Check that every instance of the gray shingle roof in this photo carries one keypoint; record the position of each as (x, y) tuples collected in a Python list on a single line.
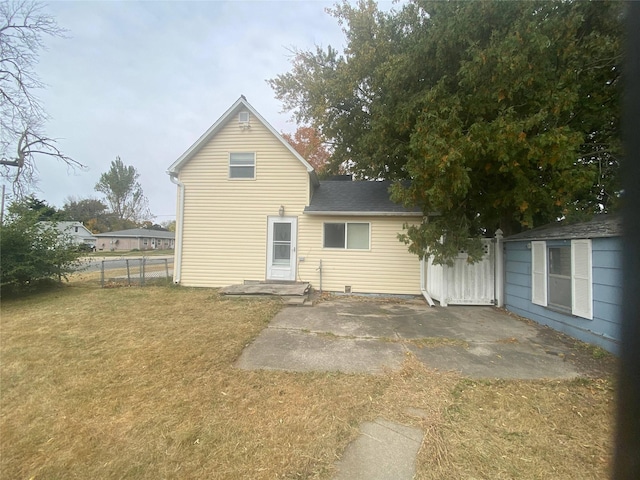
[(355, 198), (138, 232), (600, 226)]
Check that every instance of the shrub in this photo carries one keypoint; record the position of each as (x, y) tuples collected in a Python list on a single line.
[(32, 251)]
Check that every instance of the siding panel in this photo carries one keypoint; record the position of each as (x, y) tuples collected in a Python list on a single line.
[(386, 268), (225, 223), (225, 220), (604, 328)]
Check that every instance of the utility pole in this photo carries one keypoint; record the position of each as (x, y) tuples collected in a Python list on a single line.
[(2, 206)]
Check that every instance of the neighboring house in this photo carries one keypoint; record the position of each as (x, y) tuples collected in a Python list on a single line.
[(250, 208), (135, 239), (569, 277), (76, 232)]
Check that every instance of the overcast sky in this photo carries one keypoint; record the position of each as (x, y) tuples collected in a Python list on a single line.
[(143, 81)]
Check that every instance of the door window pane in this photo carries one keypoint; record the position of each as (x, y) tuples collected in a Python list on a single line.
[(281, 243), (281, 253), (282, 232)]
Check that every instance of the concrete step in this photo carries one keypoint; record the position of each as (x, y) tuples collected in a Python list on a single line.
[(297, 300)]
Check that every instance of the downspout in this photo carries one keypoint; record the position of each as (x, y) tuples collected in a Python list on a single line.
[(177, 262)]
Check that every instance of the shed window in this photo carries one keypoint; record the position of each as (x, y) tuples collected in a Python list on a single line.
[(242, 165), (559, 284), (347, 235), (561, 277)]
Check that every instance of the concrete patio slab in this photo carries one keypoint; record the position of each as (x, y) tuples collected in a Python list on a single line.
[(355, 335), (282, 349)]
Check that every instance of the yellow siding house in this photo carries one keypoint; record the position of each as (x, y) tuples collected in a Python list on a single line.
[(251, 208)]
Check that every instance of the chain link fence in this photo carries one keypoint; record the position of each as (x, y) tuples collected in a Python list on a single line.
[(135, 271)]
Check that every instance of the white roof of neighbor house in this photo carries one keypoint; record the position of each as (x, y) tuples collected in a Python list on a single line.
[(240, 104), (65, 227), (138, 232)]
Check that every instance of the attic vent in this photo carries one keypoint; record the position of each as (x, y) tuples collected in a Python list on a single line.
[(243, 119)]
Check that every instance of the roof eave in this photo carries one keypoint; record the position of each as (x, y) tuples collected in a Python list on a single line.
[(561, 237), (326, 213)]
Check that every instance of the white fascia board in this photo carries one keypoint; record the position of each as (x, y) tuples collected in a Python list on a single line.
[(364, 214)]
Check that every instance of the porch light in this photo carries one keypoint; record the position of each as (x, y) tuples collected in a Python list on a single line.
[(281, 211)]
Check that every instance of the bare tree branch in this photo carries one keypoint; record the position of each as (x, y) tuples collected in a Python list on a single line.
[(23, 26)]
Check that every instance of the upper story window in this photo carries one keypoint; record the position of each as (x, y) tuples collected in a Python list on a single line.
[(242, 165)]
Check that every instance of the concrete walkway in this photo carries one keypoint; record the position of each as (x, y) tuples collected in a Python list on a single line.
[(383, 451), (356, 335)]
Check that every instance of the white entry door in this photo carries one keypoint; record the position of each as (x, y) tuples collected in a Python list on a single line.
[(281, 248)]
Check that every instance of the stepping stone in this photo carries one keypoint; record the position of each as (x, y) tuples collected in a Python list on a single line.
[(384, 451)]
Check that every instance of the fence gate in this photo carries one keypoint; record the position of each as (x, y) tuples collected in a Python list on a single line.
[(463, 283)]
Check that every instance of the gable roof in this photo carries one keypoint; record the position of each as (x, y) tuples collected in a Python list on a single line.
[(239, 105), (363, 198), (138, 232), (65, 226), (601, 226)]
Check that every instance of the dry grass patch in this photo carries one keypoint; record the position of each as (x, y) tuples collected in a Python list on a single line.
[(437, 342), (526, 429), (140, 383)]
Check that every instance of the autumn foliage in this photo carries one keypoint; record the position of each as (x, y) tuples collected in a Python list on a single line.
[(310, 146)]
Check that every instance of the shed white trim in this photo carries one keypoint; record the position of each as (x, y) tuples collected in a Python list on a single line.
[(539, 273), (581, 285)]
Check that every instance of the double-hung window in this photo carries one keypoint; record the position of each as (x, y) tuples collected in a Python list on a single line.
[(242, 165), (561, 276), (347, 235)]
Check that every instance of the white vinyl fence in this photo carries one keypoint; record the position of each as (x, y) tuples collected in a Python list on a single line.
[(464, 283)]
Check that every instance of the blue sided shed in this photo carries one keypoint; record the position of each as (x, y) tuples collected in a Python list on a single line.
[(569, 277)]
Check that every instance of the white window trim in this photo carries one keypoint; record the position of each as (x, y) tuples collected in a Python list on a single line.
[(346, 234), (581, 278), (242, 178)]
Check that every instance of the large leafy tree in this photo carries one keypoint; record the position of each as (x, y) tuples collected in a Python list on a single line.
[(123, 192), (502, 114)]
